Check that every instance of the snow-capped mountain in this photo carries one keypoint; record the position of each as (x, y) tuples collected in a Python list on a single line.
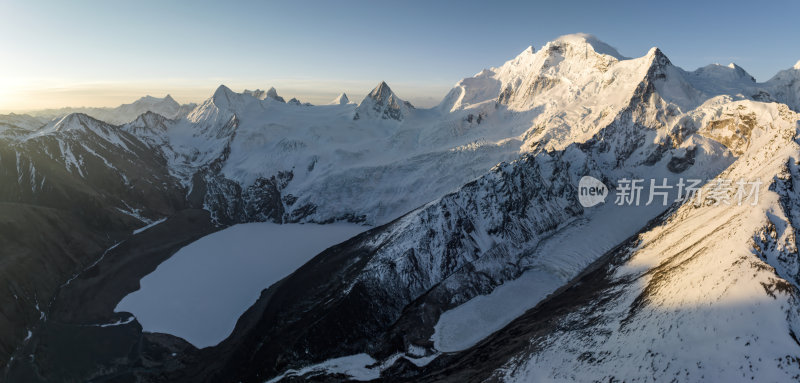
[(310, 154), (482, 265), (704, 292), (382, 103), (785, 86), (271, 93), (340, 100)]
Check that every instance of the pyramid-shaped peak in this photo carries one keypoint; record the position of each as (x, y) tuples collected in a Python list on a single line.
[(383, 103), (658, 57), (381, 91), (73, 121), (342, 99)]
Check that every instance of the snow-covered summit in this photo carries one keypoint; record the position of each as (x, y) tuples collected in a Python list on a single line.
[(340, 100), (261, 94), (384, 104), (785, 86), (730, 72), (273, 94), (585, 39)]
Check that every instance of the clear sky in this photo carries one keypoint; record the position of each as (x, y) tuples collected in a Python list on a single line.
[(104, 53)]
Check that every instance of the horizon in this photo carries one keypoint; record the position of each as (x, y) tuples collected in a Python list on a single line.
[(425, 56)]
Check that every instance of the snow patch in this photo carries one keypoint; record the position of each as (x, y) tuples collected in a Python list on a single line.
[(137, 231)]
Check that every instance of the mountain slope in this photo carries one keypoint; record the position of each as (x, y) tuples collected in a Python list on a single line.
[(472, 199), (706, 292), (69, 191)]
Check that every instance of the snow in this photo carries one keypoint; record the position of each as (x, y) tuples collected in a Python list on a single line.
[(359, 367), (379, 168), (395, 158), (693, 301), (466, 325), (119, 322), (597, 45), (555, 261), (353, 366), (140, 230), (199, 293), (340, 100)]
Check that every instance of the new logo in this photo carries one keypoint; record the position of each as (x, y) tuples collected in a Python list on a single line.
[(591, 191)]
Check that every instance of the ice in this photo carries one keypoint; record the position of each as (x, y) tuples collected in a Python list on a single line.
[(199, 293)]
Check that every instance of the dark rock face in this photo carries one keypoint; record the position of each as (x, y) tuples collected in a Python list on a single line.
[(65, 197), (76, 342), (680, 164)]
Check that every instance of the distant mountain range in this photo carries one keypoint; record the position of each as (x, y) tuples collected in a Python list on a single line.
[(166, 106), (480, 265)]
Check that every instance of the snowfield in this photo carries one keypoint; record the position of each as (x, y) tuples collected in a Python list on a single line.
[(199, 293), (487, 268)]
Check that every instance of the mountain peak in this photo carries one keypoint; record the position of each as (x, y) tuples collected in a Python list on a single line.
[(658, 57), (384, 103), (225, 98), (73, 121), (381, 90), (587, 39), (273, 94), (258, 93), (223, 91), (797, 65), (724, 73), (341, 100)]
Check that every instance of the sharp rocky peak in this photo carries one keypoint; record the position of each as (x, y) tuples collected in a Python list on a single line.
[(383, 103), (658, 57), (341, 100), (382, 91), (273, 94)]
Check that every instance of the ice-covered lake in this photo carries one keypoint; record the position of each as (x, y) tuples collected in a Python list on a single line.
[(199, 293)]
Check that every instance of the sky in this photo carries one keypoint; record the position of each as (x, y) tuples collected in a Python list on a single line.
[(104, 53)]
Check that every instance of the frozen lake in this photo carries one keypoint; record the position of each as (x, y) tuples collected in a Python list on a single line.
[(199, 293)]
